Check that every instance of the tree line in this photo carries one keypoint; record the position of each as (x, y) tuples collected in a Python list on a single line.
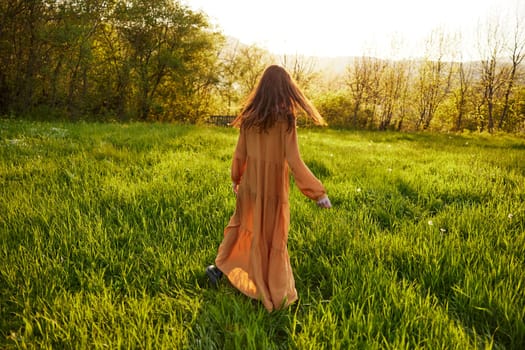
[(158, 60), (440, 90), (133, 59)]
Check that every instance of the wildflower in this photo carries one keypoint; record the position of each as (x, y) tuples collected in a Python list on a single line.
[(358, 189), (430, 222), (442, 230), (389, 170), (510, 216)]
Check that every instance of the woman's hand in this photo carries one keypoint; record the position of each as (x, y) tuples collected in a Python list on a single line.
[(324, 202)]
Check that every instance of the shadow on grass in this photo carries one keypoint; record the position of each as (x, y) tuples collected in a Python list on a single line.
[(447, 278)]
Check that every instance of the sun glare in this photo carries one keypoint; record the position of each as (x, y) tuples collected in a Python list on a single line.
[(344, 28)]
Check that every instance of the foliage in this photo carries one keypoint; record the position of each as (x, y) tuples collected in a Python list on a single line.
[(335, 107), (106, 229), (126, 59), (239, 70)]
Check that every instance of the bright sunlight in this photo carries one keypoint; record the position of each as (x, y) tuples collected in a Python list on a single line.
[(346, 28)]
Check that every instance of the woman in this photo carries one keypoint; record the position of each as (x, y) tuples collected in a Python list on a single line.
[(253, 254)]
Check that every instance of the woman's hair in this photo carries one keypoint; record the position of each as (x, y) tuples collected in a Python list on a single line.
[(276, 97)]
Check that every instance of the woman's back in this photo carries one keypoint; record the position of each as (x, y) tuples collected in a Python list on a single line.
[(267, 146)]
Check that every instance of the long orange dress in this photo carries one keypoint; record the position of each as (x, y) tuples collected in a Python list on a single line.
[(253, 254)]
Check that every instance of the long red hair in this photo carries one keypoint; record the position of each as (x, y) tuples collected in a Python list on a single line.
[(276, 97)]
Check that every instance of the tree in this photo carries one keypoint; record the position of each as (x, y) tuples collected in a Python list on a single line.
[(492, 74), (104, 56), (517, 53), (22, 52), (229, 65), (78, 22), (434, 78), (301, 68), (158, 37), (363, 81), (465, 72), (462, 83), (394, 86), (187, 91), (240, 68), (252, 61)]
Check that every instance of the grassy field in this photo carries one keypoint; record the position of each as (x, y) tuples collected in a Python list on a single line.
[(106, 229)]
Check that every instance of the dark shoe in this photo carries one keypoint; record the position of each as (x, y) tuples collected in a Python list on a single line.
[(214, 274)]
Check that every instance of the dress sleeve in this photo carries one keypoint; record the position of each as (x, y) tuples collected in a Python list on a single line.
[(308, 184), (239, 158)]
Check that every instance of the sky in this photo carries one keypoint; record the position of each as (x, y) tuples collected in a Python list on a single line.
[(332, 28)]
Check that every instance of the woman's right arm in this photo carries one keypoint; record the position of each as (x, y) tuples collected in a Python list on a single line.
[(239, 160)]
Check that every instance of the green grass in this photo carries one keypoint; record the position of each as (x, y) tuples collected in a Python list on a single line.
[(105, 231)]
